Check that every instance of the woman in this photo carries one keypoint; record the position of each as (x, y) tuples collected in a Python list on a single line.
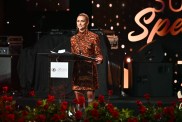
[(85, 43)]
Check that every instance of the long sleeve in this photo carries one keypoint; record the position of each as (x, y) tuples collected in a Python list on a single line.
[(98, 52)]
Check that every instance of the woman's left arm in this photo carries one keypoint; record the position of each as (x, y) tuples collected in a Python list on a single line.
[(98, 52)]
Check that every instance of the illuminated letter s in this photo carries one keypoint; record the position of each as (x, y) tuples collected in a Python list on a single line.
[(134, 38)]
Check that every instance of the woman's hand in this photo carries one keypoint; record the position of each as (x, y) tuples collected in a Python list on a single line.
[(98, 60)]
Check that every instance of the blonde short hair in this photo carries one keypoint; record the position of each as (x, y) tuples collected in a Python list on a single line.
[(85, 15)]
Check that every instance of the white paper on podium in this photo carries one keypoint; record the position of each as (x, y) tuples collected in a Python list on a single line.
[(59, 70)]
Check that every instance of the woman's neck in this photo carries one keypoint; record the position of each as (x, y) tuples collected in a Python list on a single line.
[(83, 31)]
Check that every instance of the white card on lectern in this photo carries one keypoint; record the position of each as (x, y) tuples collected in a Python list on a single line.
[(62, 51), (59, 70)]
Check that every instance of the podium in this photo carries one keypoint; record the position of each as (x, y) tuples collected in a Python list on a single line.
[(61, 70)]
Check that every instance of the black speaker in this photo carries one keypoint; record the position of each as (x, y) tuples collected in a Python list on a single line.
[(5, 70), (8, 72), (153, 78)]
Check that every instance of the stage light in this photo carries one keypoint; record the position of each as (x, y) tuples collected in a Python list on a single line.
[(98, 5), (123, 4), (92, 24), (36, 4), (110, 5), (128, 60), (112, 27), (131, 49), (175, 81), (117, 16), (7, 22), (117, 24), (122, 46), (165, 54), (175, 72), (179, 62)]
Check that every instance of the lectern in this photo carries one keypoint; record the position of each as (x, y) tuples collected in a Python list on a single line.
[(61, 69)]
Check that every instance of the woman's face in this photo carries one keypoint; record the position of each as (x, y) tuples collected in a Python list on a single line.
[(82, 23)]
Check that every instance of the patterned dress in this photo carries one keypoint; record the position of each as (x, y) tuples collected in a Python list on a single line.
[(85, 75)]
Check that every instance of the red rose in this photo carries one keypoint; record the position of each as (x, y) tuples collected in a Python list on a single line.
[(157, 116), (81, 100), (50, 98), (95, 105), (115, 114), (5, 88), (5, 98), (101, 99), (10, 98), (62, 116), (95, 113), (11, 117), (78, 115), (32, 93), (64, 106), (139, 103), (8, 108), (39, 103), (41, 118), (159, 103), (147, 96), (75, 101), (142, 109), (110, 106), (55, 118), (46, 106), (24, 113), (133, 119)]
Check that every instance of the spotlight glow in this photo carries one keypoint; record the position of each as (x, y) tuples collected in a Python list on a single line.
[(112, 27), (123, 4), (175, 81), (110, 5), (165, 54), (128, 60), (122, 46), (98, 5), (92, 24)]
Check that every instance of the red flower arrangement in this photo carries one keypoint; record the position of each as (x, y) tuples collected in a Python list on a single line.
[(99, 110)]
